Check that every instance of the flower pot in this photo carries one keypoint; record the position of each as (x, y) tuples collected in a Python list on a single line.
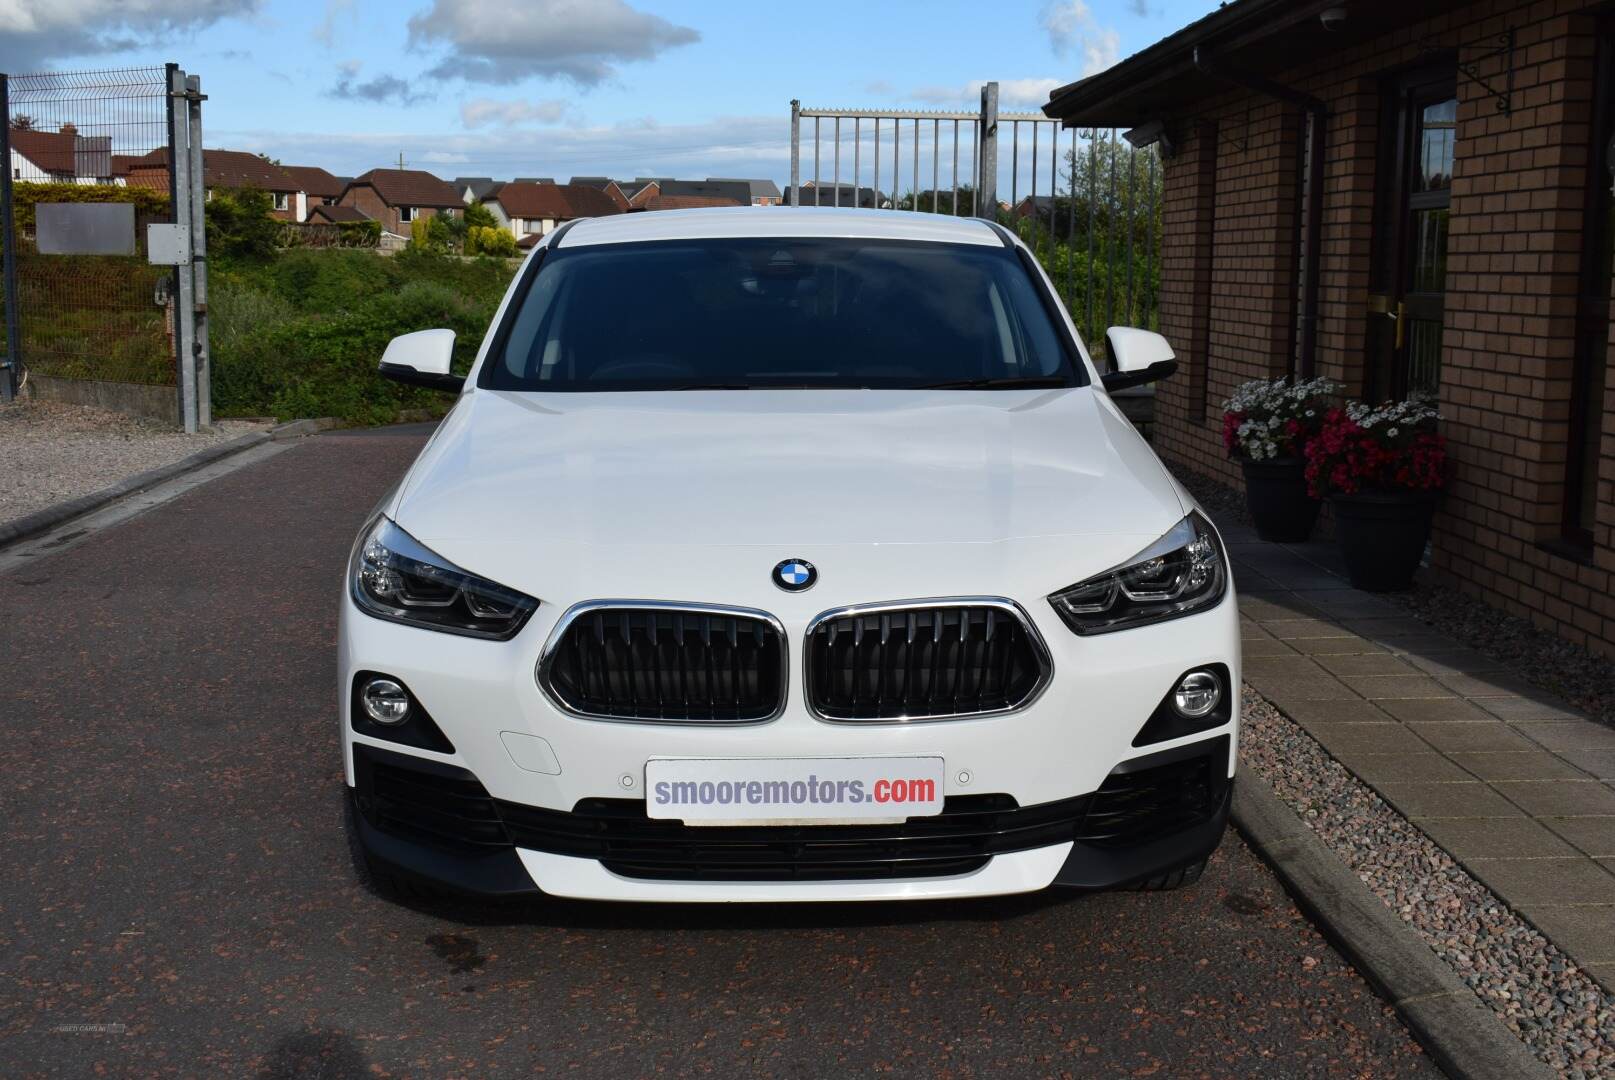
[(1276, 495), (1383, 535)]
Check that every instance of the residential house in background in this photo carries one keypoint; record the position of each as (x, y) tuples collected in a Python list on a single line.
[(763, 192), (224, 170), (683, 202), (736, 191), (335, 214), (1410, 199), (315, 187), (397, 197), (60, 157), (645, 188), (535, 209), (474, 188), (604, 184), (839, 195)]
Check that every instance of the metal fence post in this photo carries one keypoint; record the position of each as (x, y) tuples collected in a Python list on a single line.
[(179, 186), (199, 328), (796, 152), (987, 204), (8, 373)]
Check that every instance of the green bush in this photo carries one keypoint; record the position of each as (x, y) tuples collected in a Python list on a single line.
[(301, 334), (239, 225), (490, 240)]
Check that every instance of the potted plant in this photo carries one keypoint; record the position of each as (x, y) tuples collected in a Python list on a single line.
[(1382, 470), (1266, 425)]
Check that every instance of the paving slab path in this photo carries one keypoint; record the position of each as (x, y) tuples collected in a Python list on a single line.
[(1514, 784), (177, 895)]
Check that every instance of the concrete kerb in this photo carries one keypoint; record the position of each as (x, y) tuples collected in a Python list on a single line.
[(1462, 1036), (41, 521)]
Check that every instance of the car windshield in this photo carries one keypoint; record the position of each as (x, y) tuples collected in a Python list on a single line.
[(740, 314)]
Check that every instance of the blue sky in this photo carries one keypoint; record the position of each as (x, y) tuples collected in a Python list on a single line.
[(564, 87)]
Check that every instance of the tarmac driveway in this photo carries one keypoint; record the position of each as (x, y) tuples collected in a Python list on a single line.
[(177, 896)]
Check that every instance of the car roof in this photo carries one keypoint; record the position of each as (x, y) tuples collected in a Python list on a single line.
[(739, 222)]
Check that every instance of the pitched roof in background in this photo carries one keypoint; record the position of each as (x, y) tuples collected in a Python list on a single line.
[(689, 202), (535, 180), (531, 240), (220, 169), (738, 190), (760, 189), (410, 187), (479, 186), (867, 198), (558, 202), (599, 182), (314, 180), (50, 151), (338, 215)]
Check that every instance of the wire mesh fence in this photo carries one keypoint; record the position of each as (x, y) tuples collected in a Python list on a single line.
[(91, 137), (1087, 202)]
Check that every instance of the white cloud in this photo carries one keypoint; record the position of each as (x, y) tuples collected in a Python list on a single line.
[(481, 111), (1011, 92), (35, 32), (1072, 28), (505, 41)]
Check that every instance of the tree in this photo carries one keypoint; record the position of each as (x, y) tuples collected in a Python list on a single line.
[(22, 122), (239, 224), (477, 214)]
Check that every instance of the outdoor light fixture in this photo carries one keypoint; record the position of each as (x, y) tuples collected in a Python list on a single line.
[(1153, 132), (1198, 694), (1334, 18), (385, 701)]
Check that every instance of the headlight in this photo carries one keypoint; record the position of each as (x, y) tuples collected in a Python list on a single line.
[(1181, 573), (394, 577)]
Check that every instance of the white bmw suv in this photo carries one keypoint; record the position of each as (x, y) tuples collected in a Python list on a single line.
[(786, 555)]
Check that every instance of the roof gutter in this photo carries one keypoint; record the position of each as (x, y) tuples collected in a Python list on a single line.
[(1312, 223)]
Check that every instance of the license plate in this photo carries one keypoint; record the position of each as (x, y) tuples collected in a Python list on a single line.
[(784, 791)]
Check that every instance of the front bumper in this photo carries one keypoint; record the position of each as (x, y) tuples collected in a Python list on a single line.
[(437, 823)]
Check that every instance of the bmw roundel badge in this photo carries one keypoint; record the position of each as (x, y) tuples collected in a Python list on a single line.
[(795, 575)]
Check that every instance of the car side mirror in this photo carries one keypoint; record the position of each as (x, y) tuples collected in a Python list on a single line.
[(422, 359), (1138, 356)]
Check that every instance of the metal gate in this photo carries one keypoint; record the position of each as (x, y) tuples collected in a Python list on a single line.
[(1085, 200), (84, 301)]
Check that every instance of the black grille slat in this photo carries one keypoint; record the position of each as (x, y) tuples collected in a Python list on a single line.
[(922, 662), (672, 664)]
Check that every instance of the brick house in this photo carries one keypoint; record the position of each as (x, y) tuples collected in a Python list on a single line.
[(396, 197), (224, 170), (535, 209), (315, 187), (1405, 197)]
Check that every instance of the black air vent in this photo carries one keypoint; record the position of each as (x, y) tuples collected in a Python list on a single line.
[(671, 664), (923, 662)]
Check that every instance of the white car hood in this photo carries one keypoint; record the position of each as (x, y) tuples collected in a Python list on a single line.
[(518, 486)]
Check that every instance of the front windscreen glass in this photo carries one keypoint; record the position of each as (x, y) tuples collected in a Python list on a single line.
[(766, 313)]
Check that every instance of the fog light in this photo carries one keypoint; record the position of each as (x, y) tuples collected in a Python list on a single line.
[(1198, 694), (386, 702)]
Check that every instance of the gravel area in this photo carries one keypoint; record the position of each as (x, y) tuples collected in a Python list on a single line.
[(1560, 1013), (1582, 678), (50, 452)]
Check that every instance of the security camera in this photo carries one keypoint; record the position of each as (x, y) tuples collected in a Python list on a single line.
[(1334, 18)]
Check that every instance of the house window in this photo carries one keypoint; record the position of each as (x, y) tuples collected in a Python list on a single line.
[(1592, 312), (406, 214), (282, 201)]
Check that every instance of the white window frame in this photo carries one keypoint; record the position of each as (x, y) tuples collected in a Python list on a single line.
[(282, 201), (407, 214)]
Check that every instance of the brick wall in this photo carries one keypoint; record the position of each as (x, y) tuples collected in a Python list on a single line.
[(1516, 230)]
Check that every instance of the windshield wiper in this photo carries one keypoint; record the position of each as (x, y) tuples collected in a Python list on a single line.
[(1000, 383)]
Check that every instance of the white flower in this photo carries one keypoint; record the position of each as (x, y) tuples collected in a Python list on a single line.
[(1392, 432)]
